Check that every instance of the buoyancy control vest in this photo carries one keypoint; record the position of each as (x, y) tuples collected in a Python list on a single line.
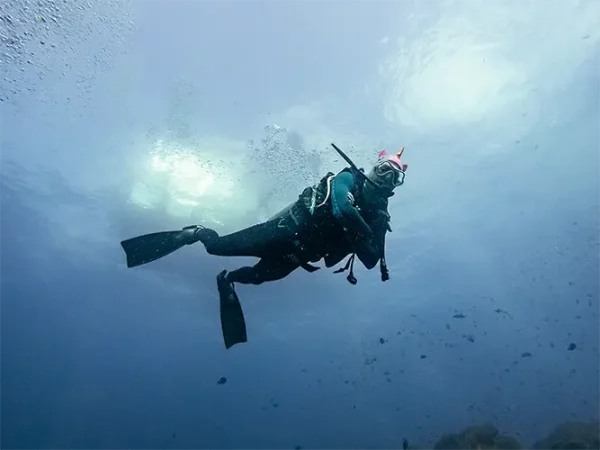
[(319, 232)]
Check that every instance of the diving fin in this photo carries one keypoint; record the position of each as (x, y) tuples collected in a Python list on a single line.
[(233, 323), (150, 247)]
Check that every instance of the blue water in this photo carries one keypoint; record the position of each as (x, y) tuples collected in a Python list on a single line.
[(119, 119)]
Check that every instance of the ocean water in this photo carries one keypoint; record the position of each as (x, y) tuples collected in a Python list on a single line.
[(120, 118)]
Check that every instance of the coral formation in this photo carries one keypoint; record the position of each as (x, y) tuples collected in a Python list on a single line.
[(567, 435), (570, 435), (484, 436)]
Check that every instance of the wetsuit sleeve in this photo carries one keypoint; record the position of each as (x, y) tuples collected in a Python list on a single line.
[(370, 252), (344, 211)]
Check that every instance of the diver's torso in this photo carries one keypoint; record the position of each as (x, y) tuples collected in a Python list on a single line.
[(318, 231), (322, 234)]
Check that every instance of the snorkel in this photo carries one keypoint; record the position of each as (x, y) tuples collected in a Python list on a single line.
[(356, 169), (381, 190)]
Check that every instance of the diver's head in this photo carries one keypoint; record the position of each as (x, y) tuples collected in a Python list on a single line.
[(387, 173)]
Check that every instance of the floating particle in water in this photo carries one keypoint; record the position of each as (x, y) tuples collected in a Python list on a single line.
[(526, 355), (459, 316), (222, 380), (502, 311), (572, 346)]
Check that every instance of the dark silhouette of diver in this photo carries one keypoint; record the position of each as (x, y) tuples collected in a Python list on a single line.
[(343, 214)]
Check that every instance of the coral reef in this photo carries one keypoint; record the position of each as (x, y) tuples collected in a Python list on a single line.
[(484, 436), (567, 435), (570, 435)]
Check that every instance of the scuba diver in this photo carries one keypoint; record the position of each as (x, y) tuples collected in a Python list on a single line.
[(343, 214)]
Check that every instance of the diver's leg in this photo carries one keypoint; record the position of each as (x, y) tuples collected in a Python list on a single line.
[(273, 237), (267, 269)]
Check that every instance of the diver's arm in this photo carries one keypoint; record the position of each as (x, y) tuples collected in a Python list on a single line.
[(344, 210), (370, 252), (368, 255)]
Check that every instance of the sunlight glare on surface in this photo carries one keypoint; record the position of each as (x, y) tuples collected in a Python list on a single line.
[(471, 62), (185, 182)]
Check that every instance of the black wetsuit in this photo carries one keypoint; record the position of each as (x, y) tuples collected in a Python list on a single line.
[(324, 222)]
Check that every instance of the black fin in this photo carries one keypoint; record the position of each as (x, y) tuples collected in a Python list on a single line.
[(150, 247), (233, 323)]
